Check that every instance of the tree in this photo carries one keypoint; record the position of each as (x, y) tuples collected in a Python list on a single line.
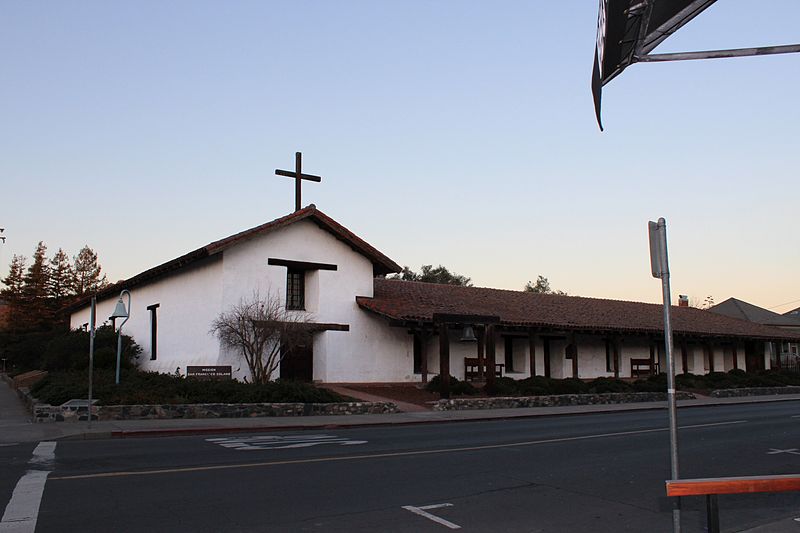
[(12, 293), (37, 310), (15, 279), (87, 278), (542, 286), (262, 331), (61, 277), (429, 274)]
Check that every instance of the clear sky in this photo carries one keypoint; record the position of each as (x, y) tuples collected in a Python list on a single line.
[(452, 131)]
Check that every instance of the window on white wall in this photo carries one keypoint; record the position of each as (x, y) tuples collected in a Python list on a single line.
[(295, 289), (153, 331)]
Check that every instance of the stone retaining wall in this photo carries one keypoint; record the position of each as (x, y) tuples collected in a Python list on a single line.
[(754, 391), (51, 413), (555, 400)]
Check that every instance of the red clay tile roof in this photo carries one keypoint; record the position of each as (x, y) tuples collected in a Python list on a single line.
[(380, 263), (409, 301)]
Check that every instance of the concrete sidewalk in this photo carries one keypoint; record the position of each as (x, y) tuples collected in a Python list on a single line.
[(16, 424)]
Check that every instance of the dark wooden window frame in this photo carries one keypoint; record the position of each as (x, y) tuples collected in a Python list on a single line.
[(295, 289), (153, 330), (296, 279)]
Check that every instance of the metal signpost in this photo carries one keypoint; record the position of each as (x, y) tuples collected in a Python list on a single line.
[(91, 357), (659, 264)]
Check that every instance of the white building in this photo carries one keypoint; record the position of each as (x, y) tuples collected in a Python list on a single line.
[(370, 329)]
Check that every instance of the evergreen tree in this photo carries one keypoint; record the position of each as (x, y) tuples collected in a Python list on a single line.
[(12, 293), (35, 289), (431, 274), (62, 277), (542, 286), (86, 271)]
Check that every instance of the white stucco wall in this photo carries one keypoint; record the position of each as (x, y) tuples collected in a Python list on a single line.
[(188, 302), (371, 351)]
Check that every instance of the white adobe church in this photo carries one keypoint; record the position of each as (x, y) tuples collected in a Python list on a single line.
[(365, 328)]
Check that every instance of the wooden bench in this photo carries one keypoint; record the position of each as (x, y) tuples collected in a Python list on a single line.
[(711, 487), (643, 367), (471, 369)]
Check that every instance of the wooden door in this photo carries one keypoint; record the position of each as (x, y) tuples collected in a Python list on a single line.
[(297, 363)]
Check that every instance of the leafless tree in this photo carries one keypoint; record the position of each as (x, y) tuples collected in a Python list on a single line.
[(262, 330)]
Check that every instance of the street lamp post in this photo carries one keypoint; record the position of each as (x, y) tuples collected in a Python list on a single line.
[(659, 263), (121, 312)]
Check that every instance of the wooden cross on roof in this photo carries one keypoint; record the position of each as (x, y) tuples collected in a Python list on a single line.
[(298, 177)]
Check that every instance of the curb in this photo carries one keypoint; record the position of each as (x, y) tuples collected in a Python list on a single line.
[(178, 432)]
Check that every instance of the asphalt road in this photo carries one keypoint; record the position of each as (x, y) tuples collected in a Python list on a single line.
[(585, 473)]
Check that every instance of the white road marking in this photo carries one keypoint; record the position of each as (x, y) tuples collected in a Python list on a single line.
[(384, 455), (776, 451), (421, 512), (22, 510), (276, 442)]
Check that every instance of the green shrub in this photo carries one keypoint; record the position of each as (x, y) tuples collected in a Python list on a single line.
[(457, 387), (656, 383), (502, 387), (569, 386), (604, 385), (154, 388)]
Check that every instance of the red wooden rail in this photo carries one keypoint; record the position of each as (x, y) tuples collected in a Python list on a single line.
[(711, 487), (733, 485)]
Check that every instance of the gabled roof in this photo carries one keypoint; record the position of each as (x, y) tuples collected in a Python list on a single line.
[(380, 263), (746, 311), (410, 302)]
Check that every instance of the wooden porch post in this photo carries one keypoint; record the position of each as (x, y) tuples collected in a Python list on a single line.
[(684, 356), (777, 346), (572, 350), (616, 357), (423, 355), (481, 335), (652, 356), (490, 354), (444, 360), (709, 348), (546, 355), (532, 351), (735, 356)]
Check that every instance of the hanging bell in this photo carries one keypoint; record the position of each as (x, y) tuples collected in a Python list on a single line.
[(468, 335)]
